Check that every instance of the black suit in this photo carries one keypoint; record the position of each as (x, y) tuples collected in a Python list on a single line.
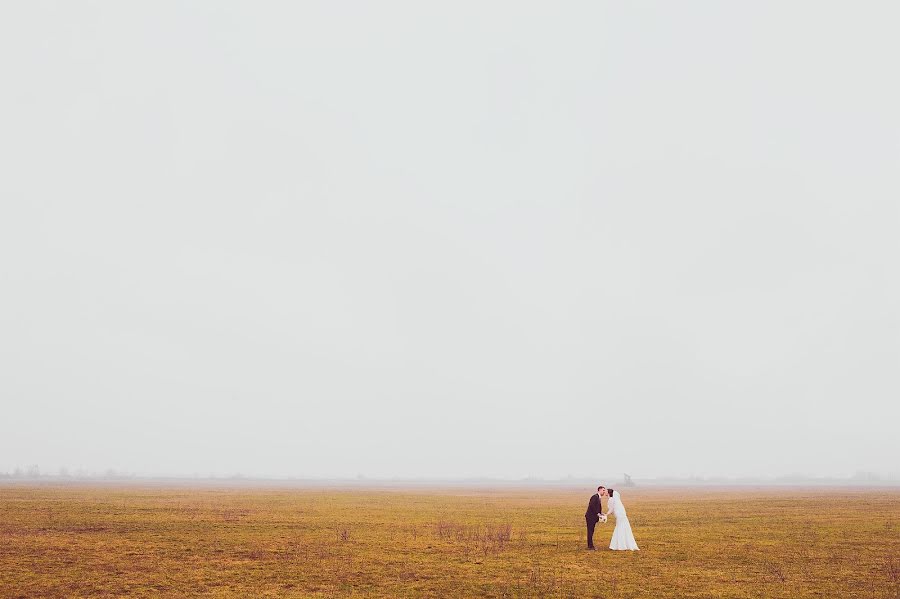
[(591, 517)]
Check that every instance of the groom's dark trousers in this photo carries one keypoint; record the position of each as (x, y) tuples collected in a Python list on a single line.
[(590, 526), (591, 517)]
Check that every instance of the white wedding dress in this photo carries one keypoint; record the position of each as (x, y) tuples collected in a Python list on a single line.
[(622, 537)]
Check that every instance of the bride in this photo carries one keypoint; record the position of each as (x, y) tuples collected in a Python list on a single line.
[(622, 537)]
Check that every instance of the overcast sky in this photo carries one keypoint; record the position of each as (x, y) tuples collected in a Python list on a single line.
[(450, 239)]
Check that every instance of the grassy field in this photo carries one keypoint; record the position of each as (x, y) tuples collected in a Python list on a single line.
[(75, 541)]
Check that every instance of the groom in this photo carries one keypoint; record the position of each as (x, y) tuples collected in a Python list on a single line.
[(592, 516)]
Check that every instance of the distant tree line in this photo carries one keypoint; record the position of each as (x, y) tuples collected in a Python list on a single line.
[(34, 471)]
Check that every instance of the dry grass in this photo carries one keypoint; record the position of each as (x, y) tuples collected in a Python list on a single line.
[(231, 542)]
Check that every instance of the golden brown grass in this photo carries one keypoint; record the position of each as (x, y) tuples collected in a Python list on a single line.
[(239, 542)]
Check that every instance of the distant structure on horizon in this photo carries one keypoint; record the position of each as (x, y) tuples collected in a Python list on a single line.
[(628, 481)]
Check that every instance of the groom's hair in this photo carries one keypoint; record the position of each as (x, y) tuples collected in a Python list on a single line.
[(600, 487)]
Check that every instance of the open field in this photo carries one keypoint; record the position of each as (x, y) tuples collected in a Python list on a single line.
[(69, 540)]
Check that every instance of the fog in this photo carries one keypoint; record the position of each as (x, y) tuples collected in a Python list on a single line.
[(400, 239)]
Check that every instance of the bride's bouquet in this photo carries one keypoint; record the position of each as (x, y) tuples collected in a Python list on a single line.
[(602, 517)]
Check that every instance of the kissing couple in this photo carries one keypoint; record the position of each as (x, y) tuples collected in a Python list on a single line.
[(622, 537)]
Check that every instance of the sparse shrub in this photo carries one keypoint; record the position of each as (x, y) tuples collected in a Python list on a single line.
[(776, 571)]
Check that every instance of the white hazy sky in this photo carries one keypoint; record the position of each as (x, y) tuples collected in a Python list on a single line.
[(450, 239)]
